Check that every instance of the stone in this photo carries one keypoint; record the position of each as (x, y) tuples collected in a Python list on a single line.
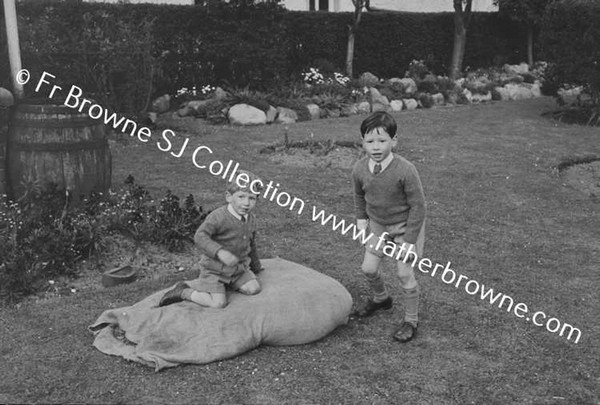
[(162, 104), (572, 92), (468, 95), (368, 79), (453, 98), (518, 92), (517, 69), (394, 80), (286, 115), (410, 103), (503, 93), (184, 111), (410, 87), (314, 111), (480, 98), (364, 107), (378, 102), (244, 114), (510, 78), (536, 89), (438, 99), (271, 114), (196, 105), (220, 94), (479, 85), (396, 105), (152, 116)]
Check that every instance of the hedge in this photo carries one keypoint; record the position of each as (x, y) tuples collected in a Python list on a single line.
[(571, 44), (125, 54)]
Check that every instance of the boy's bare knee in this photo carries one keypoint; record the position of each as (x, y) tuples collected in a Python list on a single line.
[(370, 263), (252, 287), (369, 268), (406, 274), (218, 301)]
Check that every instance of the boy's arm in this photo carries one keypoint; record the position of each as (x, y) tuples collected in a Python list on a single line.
[(360, 205), (255, 265), (416, 200), (203, 237)]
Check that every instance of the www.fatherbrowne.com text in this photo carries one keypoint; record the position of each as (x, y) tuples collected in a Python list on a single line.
[(271, 192)]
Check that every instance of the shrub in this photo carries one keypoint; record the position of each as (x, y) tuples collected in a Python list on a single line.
[(214, 111), (392, 90), (417, 70), (254, 98), (446, 85), (43, 237), (528, 77), (569, 38), (426, 100), (427, 86)]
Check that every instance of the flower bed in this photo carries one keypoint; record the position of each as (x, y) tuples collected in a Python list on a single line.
[(331, 95)]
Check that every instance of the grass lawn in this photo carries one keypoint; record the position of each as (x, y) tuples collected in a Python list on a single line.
[(497, 209)]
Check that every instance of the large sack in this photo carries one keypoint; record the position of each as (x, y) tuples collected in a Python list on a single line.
[(297, 305)]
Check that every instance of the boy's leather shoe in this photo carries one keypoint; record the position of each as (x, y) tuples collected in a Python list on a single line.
[(173, 295), (406, 332), (369, 307)]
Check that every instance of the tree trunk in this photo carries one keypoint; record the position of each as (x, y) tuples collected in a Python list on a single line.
[(350, 53), (530, 45), (461, 23), (352, 30)]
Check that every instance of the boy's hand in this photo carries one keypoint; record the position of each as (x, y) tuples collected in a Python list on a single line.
[(407, 246), (362, 224), (228, 258)]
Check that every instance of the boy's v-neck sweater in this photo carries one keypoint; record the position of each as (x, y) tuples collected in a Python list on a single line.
[(392, 196)]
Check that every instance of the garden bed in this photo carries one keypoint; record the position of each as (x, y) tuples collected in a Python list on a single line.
[(311, 153)]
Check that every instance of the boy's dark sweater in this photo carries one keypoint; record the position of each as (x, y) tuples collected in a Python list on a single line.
[(221, 230), (392, 196)]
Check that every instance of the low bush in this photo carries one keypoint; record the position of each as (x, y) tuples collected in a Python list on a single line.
[(43, 237)]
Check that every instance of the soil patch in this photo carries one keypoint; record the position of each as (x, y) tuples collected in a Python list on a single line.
[(585, 178), (152, 262), (310, 153), (584, 115)]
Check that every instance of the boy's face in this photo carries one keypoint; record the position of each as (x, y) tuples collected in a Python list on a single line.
[(378, 144), (241, 201)]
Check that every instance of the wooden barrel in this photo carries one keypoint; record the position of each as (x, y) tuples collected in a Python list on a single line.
[(3, 137), (52, 143)]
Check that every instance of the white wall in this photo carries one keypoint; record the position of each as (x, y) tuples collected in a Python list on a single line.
[(178, 2), (396, 5)]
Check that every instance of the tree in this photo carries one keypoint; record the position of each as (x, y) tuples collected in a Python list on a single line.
[(359, 5), (462, 18), (528, 12)]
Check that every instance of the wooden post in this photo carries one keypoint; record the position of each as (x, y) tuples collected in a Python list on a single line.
[(12, 37)]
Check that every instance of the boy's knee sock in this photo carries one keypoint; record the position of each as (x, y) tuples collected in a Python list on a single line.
[(410, 298), (377, 286)]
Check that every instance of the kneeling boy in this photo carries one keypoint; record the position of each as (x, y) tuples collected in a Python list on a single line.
[(229, 256)]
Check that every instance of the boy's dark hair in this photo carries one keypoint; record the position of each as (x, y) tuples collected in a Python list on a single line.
[(379, 119), (234, 185)]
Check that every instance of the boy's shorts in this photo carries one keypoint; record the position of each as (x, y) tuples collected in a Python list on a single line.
[(395, 231), (214, 277)]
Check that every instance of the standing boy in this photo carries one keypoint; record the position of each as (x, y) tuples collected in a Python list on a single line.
[(227, 241), (389, 202)]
